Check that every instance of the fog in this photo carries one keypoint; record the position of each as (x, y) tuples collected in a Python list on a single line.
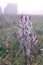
[(25, 6)]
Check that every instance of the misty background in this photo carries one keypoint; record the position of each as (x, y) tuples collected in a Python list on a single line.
[(34, 7), (9, 9)]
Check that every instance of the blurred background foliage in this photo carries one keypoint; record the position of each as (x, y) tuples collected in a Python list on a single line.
[(12, 54)]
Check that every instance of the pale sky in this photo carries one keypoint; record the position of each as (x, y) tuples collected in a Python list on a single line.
[(25, 6)]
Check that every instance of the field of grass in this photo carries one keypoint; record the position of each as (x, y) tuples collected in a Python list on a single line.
[(12, 54)]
